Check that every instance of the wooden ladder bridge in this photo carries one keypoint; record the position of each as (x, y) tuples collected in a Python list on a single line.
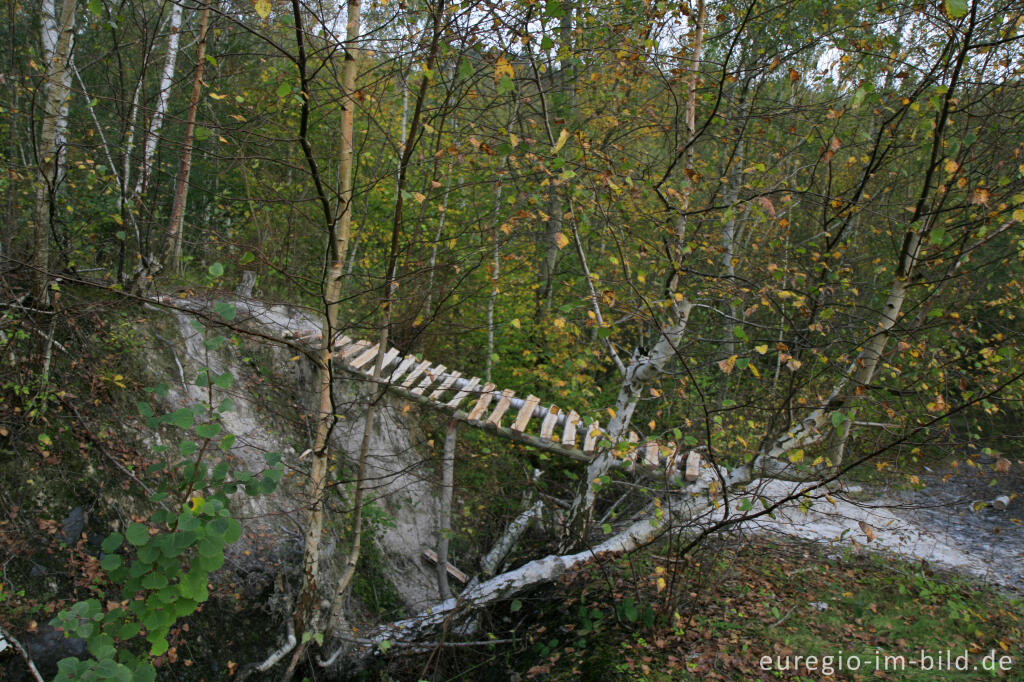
[(549, 428)]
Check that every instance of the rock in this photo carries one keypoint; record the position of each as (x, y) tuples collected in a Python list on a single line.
[(245, 287), (72, 526), (46, 647)]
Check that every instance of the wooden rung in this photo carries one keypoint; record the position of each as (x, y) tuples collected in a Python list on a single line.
[(503, 404), (354, 348), (692, 466), (593, 432), (342, 342), (548, 425), (466, 390), (403, 367), (388, 357), (365, 357), (486, 393), (445, 386), (433, 375), (652, 454), (569, 435), (415, 374), (431, 556), (633, 437), (525, 413)]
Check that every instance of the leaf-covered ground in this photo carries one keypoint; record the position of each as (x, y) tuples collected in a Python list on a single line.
[(718, 616)]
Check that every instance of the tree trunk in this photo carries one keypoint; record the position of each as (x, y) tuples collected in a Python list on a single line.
[(156, 123), (444, 526), (51, 140), (172, 251)]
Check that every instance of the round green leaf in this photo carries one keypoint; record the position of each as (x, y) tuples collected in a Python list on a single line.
[(137, 534)]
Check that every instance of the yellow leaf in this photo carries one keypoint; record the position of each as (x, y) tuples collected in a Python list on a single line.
[(216, 96), (502, 68), (263, 8), (762, 349), (753, 370), (727, 364), (563, 137), (1018, 215), (561, 240), (951, 166), (419, 196), (514, 139), (796, 456), (661, 584), (293, 359), (558, 322), (515, 323), (868, 530)]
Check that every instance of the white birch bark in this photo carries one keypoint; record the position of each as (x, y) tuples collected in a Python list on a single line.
[(156, 122), (57, 40)]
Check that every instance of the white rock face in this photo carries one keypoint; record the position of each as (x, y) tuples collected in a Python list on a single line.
[(402, 494)]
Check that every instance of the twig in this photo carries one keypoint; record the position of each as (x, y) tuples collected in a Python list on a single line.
[(784, 617), (23, 651)]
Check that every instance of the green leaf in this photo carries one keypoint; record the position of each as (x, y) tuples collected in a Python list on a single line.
[(128, 630), (208, 430), (110, 562), (95, 7), (838, 419), (284, 89), (216, 270), (745, 505), (202, 133), (226, 310), (112, 542), (956, 8), (546, 43), (224, 380), (137, 534), (182, 418), (246, 257), (516, 605)]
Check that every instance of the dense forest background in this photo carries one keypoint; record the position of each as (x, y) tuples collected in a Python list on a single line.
[(785, 235)]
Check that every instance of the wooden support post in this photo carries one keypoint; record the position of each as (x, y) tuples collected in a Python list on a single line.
[(486, 393), (431, 556), (569, 434), (466, 390), (499, 410), (446, 385), (432, 375), (548, 425)]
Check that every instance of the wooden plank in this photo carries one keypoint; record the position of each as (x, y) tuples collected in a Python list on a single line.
[(692, 466), (354, 348), (445, 386), (402, 368), (466, 390), (433, 374), (525, 413), (486, 393), (415, 374), (431, 556), (569, 435), (388, 357), (652, 454), (593, 432), (342, 342), (548, 425), (503, 404), (365, 357)]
